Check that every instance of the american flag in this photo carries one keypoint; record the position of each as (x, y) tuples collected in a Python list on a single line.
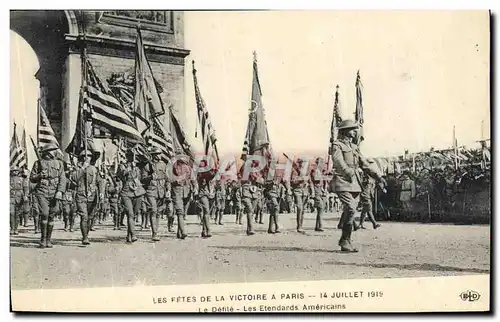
[(46, 135), (336, 118), (207, 129), (156, 137), (106, 112), (18, 157)]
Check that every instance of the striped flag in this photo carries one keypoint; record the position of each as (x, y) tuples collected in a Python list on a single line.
[(336, 118), (179, 138), (106, 112), (257, 135), (207, 129), (359, 105), (18, 158), (147, 101), (156, 137), (46, 135)]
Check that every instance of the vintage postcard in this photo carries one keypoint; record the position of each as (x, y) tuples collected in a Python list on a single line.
[(250, 161)]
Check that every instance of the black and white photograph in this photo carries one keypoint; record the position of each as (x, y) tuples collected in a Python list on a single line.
[(176, 148)]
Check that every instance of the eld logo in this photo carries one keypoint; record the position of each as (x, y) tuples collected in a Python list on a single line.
[(470, 296)]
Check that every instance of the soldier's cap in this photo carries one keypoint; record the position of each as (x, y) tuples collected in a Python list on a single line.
[(348, 124)]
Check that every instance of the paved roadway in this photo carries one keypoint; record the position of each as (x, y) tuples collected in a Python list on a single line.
[(394, 250)]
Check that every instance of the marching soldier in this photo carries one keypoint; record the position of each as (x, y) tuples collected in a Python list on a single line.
[(273, 192), (236, 196), (19, 189), (132, 192), (169, 207), (153, 176), (220, 200), (205, 196), (250, 195), (114, 194), (48, 174), (89, 190), (35, 213), (68, 203), (26, 199), (300, 188), (367, 197), (259, 203), (319, 192), (347, 162), (182, 189)]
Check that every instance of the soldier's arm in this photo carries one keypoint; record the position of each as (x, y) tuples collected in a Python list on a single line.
[(35, 174), (61, 186), (339, 163), (26, 187)]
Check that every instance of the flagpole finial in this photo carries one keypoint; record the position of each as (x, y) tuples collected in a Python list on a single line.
[(194, 68), (254, 56), (337, 87)]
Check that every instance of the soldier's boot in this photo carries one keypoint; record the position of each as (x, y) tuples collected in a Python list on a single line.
[(131, 229), (236, 220), (205, 233), (43, 229), (345, 240), (170, 224), (26, 219), (240, 217), (84, 228), (270, 229), (249, 225), (341, 221), (48, 240), (300, 221), (15, 224), (65, 219), (180, 226), (261, 214), (276, 226), (155, 220), (36, 222), (71, 223), (319, 220), (220, 216)]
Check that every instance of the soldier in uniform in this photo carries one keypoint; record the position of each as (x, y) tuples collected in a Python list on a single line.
[(182, 187), (68, 203), (407, 193), (205, 197), (347, 162), (50, 179), (319, 191), (169, 207), (220, 200), (89, 190), (367, 197), (19, 189), (236, 195), (114, 207), (259, 203), (249, 193), (273, 192), (132, 192), (26, 198), (153, 175), (300, 188)]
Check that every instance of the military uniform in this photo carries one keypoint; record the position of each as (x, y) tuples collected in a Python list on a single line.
[(236, 199), (48, 174), (300, 188), (89, 191), (320, 195), (26, 208), (131, 194), (205, 197), (114, 193), (169, 207), (153, 177), (182, 188), (273, 192), (366, 199), (259, 204), (250, 195), (69, 202), (407, 193), (347, 162), (220, 201), (19, 189)]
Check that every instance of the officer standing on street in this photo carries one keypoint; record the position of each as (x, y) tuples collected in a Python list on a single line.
[(367, 197), (347, 162), (89, 190), (205, 197), (220, 200), (273, 191), (132, 192), (249, 193), (19, 189), (48, 174)]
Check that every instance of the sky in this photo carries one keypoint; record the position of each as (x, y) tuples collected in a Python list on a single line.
[(422, 73)]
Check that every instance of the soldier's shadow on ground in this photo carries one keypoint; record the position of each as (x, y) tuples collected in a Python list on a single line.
[(413, 267)]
